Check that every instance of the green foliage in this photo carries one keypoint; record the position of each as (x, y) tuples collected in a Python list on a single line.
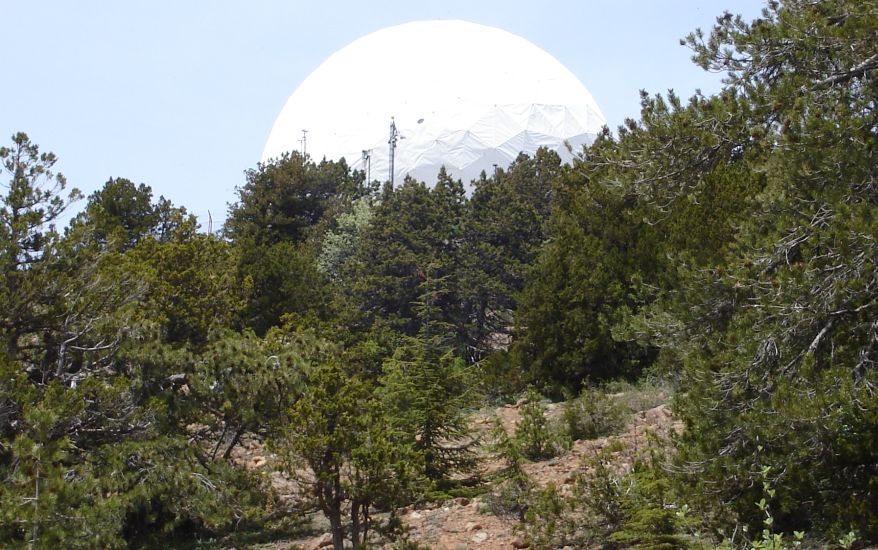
[(242, 383), (285, 198), (121, 214), (593, 414), (512, 491), (768, 537), (87, 466), (29, 264), (535, 434), (354, 455), (727, 242), (545, 525), (628, 510), (341, 242), (646, 394), (607, 409), (582, 278), (408, 255), (500, 377), (192, 287), (426, 393), (276, 227), (505, 229), (650, 518), (600, 495), (281, 279), (92, 451), (33, 202), (777, 336)]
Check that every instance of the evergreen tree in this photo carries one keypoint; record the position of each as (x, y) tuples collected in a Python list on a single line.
[(192, 286), (426, 391), (29, 263), (122, 214), (621, 235), (282, 279), (92, 453), (582, 279), (794, 361), (412, 246), (243, 384), (277, 225), (776, 328), (505, 229), (283, 199), (356, 459)]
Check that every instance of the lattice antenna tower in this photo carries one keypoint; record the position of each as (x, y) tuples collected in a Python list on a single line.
[(394, 137), (367, 162)]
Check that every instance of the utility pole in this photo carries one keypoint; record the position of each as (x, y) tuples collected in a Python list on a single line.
[(304, 142)]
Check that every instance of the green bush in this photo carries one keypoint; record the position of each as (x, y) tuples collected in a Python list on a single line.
[(642, 396), (535, 435), (510, 498), (593, 414), (613, 509), (499, 377), (548, 523)]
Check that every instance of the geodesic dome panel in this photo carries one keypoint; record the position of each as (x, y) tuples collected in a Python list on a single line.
[(461, 95)]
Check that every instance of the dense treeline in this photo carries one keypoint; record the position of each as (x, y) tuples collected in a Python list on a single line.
[(725, 242)]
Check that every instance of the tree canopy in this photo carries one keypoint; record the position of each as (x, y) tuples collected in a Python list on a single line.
[(726, 242)]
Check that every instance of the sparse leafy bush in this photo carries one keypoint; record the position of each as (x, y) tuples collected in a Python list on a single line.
[(510, 498), (548, 522), (768, 538), (640, 396), (593, 414)]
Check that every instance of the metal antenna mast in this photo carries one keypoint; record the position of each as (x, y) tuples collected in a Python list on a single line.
[(367, 161), (394, 136), (304, 142)]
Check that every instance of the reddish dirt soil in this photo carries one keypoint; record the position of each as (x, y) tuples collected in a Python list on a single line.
[(467, 524)]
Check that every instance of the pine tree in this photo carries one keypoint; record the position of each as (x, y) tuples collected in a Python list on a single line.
[(412, 246), (505, 229), (426, 391), (777, 331), (356, 459)]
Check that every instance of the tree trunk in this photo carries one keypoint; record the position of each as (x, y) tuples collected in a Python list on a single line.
[(336, 527), (367, 521), (238, 433), (355, 523)]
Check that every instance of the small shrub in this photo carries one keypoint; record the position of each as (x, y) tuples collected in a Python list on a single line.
[(642, 397), (593, 414), (499, 378), (548, 522), (536, 437), (600, 493), (608, 508), (509, 497), (769, 538), (649, 513)]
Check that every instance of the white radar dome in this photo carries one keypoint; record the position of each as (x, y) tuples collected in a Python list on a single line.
[(459, 94)]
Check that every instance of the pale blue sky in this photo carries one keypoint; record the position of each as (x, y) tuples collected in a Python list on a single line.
[(181, 95)]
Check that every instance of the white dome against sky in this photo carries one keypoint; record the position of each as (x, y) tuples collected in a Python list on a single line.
[(462, 95)]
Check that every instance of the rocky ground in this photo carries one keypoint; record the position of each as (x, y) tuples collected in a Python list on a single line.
[(464, 523)]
